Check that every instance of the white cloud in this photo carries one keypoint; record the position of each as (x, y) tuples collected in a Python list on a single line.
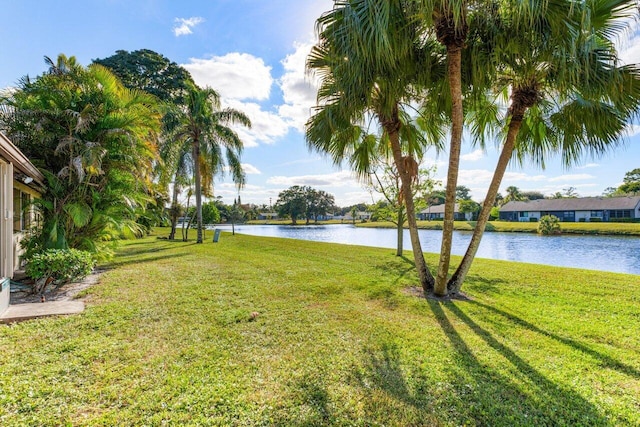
[(266, 127), (633, 130), (629, 48), (570, 177), (337, 179), (249, 169), (473, 156), (588, 166), (298, 90), (184, 26), (238, 76)]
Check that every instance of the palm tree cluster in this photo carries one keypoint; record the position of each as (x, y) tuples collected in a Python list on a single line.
[(109, 149), (540, 78)]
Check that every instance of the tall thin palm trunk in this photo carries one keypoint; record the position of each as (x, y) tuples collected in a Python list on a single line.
[(455, 283), (392, 128), (400, 232), (174, 211), (198, 187), (454, 57)]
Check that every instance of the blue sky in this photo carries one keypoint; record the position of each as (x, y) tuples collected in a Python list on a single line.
[(253, 52)]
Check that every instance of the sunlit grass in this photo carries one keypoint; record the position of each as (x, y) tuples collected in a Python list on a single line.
[(168, 337), (527, 227)]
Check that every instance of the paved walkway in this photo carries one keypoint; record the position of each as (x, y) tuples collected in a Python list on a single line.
[(20, 312)]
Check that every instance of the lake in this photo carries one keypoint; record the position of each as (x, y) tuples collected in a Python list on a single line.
[(607, 253)]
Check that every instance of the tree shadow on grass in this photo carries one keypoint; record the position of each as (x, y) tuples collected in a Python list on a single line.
[(121, 263), (606, 361), (126, 252), (536, 401)]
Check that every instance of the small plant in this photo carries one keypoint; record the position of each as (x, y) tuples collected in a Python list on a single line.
[(58, 266), (549, 225)]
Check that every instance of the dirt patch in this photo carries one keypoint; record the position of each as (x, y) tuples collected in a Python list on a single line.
[(65, 292), (418, 292)]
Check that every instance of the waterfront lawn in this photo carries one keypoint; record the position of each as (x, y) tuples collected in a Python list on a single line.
[(613, 228), (168, 337)]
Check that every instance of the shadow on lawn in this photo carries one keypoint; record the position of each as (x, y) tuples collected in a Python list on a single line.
[(607, 361), (119, 262), (501, 400)]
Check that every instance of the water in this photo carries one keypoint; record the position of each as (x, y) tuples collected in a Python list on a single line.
[(607, 253)]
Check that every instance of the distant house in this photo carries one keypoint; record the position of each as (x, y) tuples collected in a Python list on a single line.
[(437, 212), (360, 216), (268, 215), (583, 209), (20, 182)]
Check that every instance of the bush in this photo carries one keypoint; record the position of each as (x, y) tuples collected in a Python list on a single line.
[(549, 225), (534, 219), (582, 219), (58, 266), (595, 219)]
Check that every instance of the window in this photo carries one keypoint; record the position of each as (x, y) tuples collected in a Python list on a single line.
[(524, 214), (596, 214), (21, 210), (620, 214)]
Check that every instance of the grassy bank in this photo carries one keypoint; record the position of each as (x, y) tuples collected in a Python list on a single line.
[(613, 228), (168, 337)]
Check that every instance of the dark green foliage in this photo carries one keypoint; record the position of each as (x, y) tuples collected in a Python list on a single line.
[(95, 141), (631, 182), (151, 72), (549, 225), (58, 266)]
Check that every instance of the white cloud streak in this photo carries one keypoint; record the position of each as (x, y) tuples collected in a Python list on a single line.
[(184, 26)]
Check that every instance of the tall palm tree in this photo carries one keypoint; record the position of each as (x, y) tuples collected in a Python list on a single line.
[(203, 128), (373, 63), (567, 93)]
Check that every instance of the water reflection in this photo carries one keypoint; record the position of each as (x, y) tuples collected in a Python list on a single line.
[(607, 253)]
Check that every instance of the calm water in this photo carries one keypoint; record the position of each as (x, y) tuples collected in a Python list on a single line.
[(608, 253)]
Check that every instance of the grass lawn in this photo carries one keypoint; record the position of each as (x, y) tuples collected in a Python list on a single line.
[(616, 228), (168, 339)]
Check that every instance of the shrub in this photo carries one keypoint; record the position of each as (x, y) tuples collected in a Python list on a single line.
[(58, 266), (595, 219), (549, 225), (533, 219), (582, 219)]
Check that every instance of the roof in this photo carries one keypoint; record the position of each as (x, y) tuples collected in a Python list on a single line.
[(573, 204), (438, 209), (20, 162)]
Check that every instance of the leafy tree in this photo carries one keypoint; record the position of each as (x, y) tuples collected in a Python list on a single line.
[(292, 202), (151, 72), (463, 193), (549, 225), (155, 74), (631, 182), (468, 206), (204, 132), (95, 141), (210, 213), (318, 203), (567, 92), (513, 195), (570, 193), (370, 63), (532, 195)]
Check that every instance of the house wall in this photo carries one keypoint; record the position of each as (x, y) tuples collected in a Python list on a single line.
[(6, 231)]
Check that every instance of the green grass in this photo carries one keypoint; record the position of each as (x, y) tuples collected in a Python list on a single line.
[(613, 228), (168, 339)]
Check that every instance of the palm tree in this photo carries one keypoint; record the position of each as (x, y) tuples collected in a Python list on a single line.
[(202, 128), (372, 62), (95, 140), (513, 194), (567, 95)]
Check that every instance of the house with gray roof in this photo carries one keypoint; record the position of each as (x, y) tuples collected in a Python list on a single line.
[(585, 209), (437, 212)]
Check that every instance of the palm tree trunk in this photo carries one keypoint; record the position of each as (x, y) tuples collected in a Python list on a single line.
[(455, 283), (454, 60), (198, 187), (392, 128), (400, 231), (174, 211)]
